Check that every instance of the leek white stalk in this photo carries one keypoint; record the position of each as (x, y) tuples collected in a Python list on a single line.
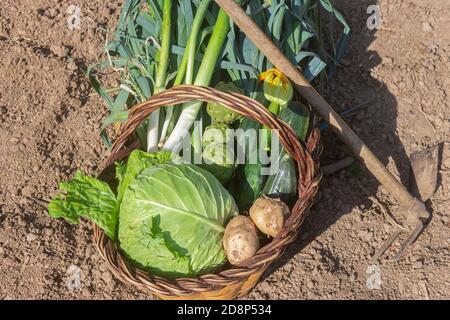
[(188, 61), (161, 76), (203, 78)]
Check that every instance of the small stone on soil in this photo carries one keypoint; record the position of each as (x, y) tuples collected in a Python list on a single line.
[(106, 276), (48, 280), (48, 232), (72, 66), (21, 222), (426, 27), (32, 237), (60, 51), (365, 235)]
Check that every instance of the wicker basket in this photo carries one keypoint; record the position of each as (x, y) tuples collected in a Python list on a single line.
[(239, 280)]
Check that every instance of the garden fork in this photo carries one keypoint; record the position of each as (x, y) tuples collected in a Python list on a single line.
[(416, 221)]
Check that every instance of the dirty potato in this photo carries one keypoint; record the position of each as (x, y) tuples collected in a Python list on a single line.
[(240, 240), (269, 215)]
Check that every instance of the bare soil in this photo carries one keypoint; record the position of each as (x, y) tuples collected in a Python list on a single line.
[(49, 116)]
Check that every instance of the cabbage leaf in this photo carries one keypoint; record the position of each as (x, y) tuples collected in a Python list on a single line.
[(138, 161), (172, 220), (87, 197), (83, 196)]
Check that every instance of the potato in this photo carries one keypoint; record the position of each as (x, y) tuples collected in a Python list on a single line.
[(269, 215), (240, 240)]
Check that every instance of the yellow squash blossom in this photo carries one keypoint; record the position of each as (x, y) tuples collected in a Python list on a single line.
[(277, 87)]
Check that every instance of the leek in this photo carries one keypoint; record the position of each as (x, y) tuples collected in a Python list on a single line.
[(203, 78), (188, 62), (161, 76)]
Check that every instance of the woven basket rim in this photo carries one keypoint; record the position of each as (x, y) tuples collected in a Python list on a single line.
[(305, 156)]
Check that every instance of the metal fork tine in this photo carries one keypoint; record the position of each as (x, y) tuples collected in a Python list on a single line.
[(385, 246), (412, 237)]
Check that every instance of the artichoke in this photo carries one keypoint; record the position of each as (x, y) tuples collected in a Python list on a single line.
[(219, 161), (218, 151), (217, 133), (218, 112)]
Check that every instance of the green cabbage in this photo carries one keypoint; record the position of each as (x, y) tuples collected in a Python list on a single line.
[(167, 218), (172, 220)]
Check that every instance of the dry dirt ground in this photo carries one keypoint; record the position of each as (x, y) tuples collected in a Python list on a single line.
[(49, 117)]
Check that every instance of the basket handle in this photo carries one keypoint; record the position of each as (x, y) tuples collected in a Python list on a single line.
[(233, 101)]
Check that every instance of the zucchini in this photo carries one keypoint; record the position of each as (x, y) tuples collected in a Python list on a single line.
[(296, 116), (283, 184), (248, 182)]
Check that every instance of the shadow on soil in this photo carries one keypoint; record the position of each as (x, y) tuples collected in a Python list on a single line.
[(375, 122)]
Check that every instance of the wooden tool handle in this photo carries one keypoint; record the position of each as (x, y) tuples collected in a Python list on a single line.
[(337, 124)]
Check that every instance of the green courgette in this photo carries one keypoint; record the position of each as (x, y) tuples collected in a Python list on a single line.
[(283, 184), (249, 181)]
